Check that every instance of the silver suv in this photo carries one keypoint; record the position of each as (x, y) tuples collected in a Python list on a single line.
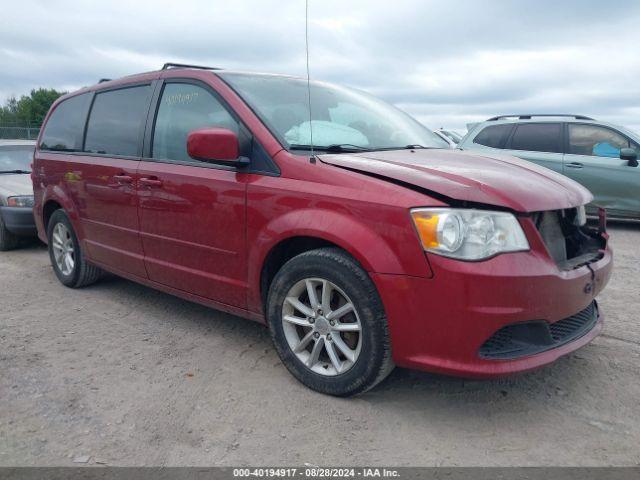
[(601, 156), (16, 192)]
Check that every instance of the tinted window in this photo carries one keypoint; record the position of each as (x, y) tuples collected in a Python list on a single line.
[(116, 120), (594, 140), (65, 127), (537, 137), (183, 108), (493, 136)]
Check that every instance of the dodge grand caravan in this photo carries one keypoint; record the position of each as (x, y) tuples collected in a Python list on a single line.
[(352, 231)]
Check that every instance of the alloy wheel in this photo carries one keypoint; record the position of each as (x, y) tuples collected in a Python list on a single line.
[(63, 250), (322, 326)]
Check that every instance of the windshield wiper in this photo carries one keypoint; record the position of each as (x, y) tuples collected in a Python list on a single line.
[(336, 147), (346, 147), (15, 171)]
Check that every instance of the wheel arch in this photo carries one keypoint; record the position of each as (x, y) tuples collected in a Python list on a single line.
[(300, 231), (55, 199), (47, 210)]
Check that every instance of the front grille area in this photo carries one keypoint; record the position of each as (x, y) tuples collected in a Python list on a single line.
[(536, 336), (571, 245)]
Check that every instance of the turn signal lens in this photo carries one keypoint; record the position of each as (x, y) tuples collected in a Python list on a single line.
[(426, 224)]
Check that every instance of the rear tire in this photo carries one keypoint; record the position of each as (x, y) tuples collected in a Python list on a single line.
[(67, 258), (335, 343), (8, 241)]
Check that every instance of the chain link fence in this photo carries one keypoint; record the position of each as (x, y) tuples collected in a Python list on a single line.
[(17, 131)]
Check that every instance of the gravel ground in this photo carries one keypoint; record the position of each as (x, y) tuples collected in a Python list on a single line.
[(121, 374)]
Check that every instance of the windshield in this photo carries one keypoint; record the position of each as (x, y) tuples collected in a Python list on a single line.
[(15, 157), (340, 116)]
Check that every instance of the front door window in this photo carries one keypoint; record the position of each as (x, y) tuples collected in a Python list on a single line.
[(183, 108), (595, 141)]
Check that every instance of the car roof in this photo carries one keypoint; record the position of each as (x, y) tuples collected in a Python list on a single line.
[(544, 118), (136, 77), (539, 119), (4, 142), (107, 83), (474, 129)]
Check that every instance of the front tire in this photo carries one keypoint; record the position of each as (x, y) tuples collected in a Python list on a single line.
[(8, 241), (328, 324), (67, 258)]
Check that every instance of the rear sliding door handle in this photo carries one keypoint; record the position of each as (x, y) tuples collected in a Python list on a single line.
[(574, 165), (123, 178), (120, 180), (150, 182)]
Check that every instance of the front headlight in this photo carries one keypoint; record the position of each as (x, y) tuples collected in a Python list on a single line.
[(468, 234), (21, 201)]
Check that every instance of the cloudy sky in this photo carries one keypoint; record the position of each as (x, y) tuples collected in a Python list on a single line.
[(446, 62)]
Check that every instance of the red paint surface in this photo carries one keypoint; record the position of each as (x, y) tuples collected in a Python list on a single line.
[(213, 144), (204, 234)]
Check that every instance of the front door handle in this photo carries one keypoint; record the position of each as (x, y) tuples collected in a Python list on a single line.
[(150, 182), (574, 165)]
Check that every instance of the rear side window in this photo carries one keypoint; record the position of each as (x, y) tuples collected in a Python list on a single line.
[(537, 137), (63, 131), (116, 121), (493, 136), (595, 141), (185, 107)]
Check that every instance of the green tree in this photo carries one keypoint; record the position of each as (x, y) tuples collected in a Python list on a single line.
[(31, 109), (8, 112)]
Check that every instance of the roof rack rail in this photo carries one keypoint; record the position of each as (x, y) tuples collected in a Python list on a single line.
[(528, 116), (167, 66), (102, 80)]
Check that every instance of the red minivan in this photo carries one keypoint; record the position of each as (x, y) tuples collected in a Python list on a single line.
[(339, 221)]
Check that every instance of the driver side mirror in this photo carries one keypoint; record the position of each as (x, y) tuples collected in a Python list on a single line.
[(630, 155), (215, 145)]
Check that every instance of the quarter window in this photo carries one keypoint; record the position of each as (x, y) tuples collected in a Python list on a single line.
[(65, 126), (183, 108), (538, 137), (116, 120), (595, 141), (493, 136)]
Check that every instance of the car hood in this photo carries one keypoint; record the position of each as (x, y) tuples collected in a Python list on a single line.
[(499, 180), (15, 184)]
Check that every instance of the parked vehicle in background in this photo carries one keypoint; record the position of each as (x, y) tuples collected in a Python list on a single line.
[(450, 136), (374, 246), (16, 192), (601, 156)]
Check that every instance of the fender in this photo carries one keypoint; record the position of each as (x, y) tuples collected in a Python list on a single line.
[(368, 247), (57, 194)]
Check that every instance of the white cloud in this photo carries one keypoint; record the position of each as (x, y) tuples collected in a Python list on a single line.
[(448, 63)]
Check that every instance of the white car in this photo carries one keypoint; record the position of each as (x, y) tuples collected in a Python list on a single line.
[(450, 136), (16, 192)]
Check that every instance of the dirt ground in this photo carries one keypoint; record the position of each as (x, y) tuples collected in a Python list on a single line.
[(121, 374)]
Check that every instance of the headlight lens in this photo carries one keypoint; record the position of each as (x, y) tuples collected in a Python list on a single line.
[(468, 234), (21, 201)]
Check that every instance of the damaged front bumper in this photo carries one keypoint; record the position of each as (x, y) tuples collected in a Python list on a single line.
[(441, 324)]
